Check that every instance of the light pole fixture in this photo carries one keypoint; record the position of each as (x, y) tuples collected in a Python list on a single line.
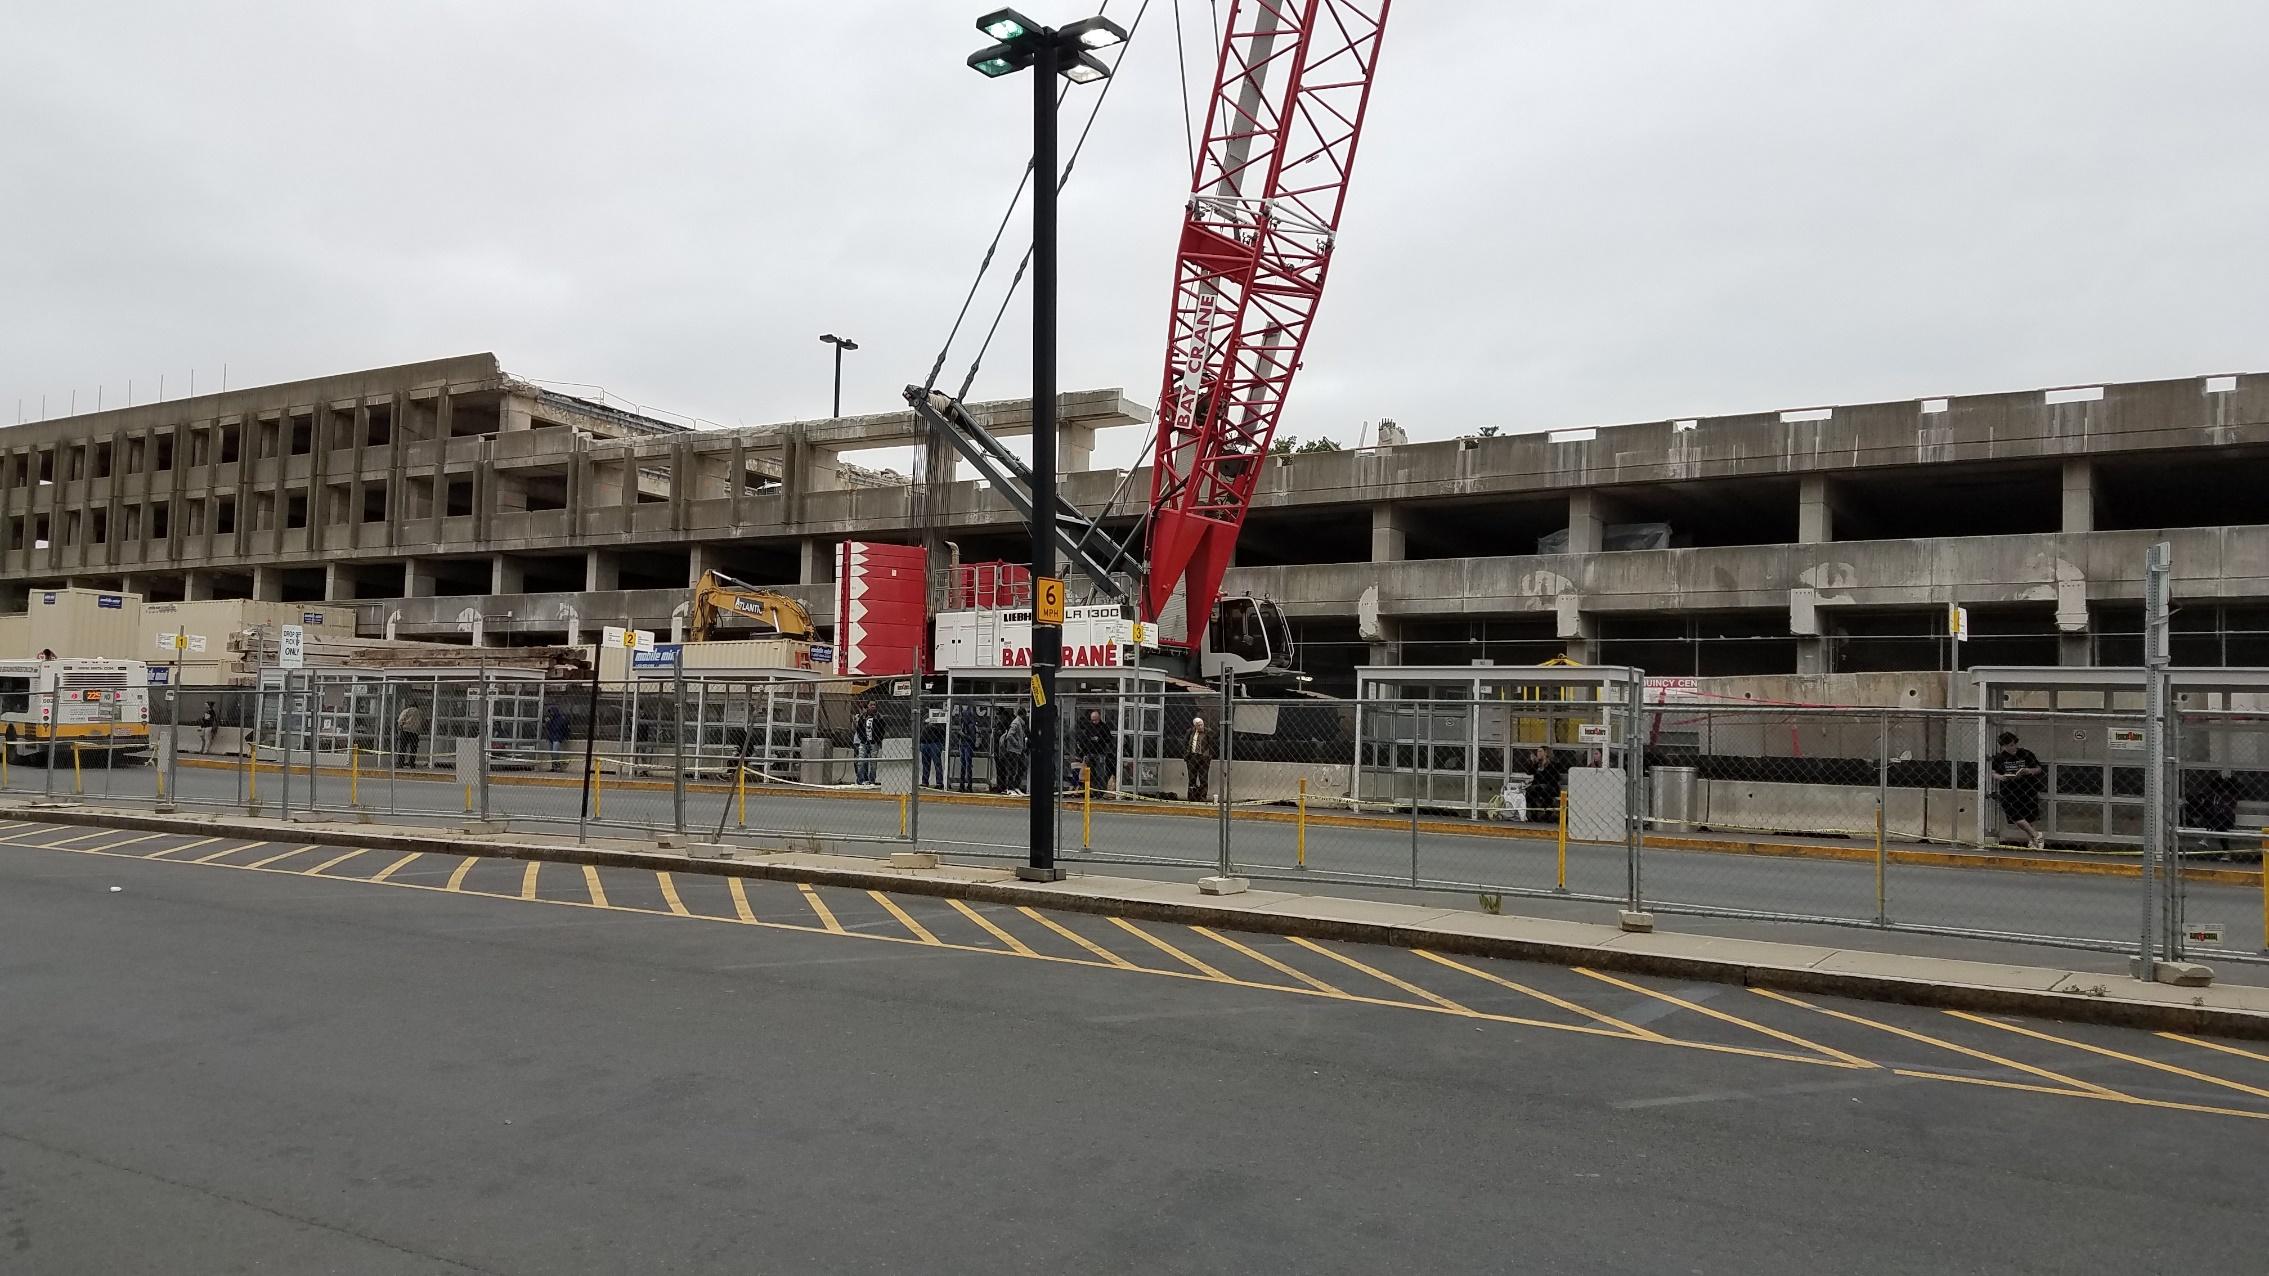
[(841, 344), (1049, 53)]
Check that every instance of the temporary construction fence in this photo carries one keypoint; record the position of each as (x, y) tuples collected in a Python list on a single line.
[(1576, 787)]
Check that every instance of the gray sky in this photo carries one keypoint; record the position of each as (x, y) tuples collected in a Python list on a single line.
[(1565, 213)]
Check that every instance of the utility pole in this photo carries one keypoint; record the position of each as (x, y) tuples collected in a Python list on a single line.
[(1047, 639)]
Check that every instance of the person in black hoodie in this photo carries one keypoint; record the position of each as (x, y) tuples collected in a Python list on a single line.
[(1095, 749)]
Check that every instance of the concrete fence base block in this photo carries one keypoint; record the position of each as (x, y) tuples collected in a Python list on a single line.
[(165, 808), (484, 826), (706, 850), (2184, 974), (252, 810), (1639, 923), (1222, 885), (913, 859), (1027, 873)]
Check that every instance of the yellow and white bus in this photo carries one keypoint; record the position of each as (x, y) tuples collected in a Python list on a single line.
[(100, 706)]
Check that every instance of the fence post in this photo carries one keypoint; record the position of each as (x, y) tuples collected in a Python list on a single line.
[(172, 776), (1418, 740), (2156, 565), (488, 733), (1227, 734), (284, 741), (1300, 845), (914, 728), (54, 733), (1882, 814), (1560, 876), (1634, 799), (677, 741), (590, 747)]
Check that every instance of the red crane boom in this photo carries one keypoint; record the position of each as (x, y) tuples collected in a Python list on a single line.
[(1289, 94)]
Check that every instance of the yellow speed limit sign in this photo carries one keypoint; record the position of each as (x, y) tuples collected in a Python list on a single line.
[(1048, 601)]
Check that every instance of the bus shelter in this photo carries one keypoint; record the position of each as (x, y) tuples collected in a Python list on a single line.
[(1462, 737), (2086, 723)]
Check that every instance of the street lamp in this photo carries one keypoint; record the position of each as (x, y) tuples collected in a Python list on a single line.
[(841, 344), (1049, 53)]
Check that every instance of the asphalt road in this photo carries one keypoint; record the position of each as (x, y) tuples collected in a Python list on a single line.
[(2072, 907), (301, 1059)]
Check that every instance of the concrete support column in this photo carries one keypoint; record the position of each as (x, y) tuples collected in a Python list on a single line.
[(1574, 629), (815, 561), (1815, 510), (601, 572), (699, 558), (2073, 649), (1811, 654), (2079, 495), (268, 584), (338, 582), (506, 575), (1075, 449), (1387, 537), (515, 412), (417, 578), (197, 587), (1589, 514), (1386, 642)]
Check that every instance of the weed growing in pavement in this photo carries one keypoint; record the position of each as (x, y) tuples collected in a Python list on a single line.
[(1493, 905)]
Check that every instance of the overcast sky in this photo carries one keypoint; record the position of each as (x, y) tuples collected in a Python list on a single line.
[(1565, 213)]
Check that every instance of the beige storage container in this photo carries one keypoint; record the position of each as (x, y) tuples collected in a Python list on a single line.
[(752, 657), (83, 624), (218, 618)]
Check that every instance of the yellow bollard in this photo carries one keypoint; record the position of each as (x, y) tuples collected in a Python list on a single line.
[(901, 815), (740, 792), (1086, 806), (598, 804), (1561, 883), (78, 778), (1301, 839), (4, 752), (468, 797), (354, 775), (252, 790)]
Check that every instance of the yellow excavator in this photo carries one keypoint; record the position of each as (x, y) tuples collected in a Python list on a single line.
[(718, 597)]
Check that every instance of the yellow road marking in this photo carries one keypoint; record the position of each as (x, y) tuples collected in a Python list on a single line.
[(921, 932), (1586, 1011), (819, 906), (2224, 1047), (740, 899), (528, 879), (2128, 1099), (210, 856), (335, 861), (396, 867), (1173, 952), (591, 884), (1928, 1040), (185, 846), (1083, 941), (285, 855), (1848, 1060), (670, 894), (1517, 1020), (457, 879), (2109, 1053), (1015, 945), (1373, 971), (110, 848), (1268, 961)]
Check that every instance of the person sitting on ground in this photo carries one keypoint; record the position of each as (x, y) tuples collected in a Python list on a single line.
[(2017, 773)]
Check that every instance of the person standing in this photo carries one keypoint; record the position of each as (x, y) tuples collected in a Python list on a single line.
[(1014, 743), (933, 748), (555, 736), (2017, 774), (1095, 751), (866, 743), (964, 745), (1197, 756), (207, 722), (409, 725)]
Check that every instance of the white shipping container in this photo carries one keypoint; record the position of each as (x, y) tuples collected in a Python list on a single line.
[(757, 657), (82, 624), (217, 618)]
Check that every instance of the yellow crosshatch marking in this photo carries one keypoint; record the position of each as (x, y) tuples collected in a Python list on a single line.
[(1100, 956)]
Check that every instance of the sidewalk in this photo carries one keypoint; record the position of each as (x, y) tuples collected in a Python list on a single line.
[(2049, 990)]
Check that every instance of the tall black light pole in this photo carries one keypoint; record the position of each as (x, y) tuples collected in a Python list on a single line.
[(1050, 53), (841, 344)]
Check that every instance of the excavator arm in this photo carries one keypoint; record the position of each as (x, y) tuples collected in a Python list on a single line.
[(717, 596)]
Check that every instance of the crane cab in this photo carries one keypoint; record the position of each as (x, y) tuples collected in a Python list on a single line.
[(1248, 637)]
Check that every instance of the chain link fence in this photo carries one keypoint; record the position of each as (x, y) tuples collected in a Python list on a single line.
[(2015, 824)]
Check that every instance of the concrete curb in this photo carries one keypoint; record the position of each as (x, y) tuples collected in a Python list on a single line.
[(2047, 992)]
